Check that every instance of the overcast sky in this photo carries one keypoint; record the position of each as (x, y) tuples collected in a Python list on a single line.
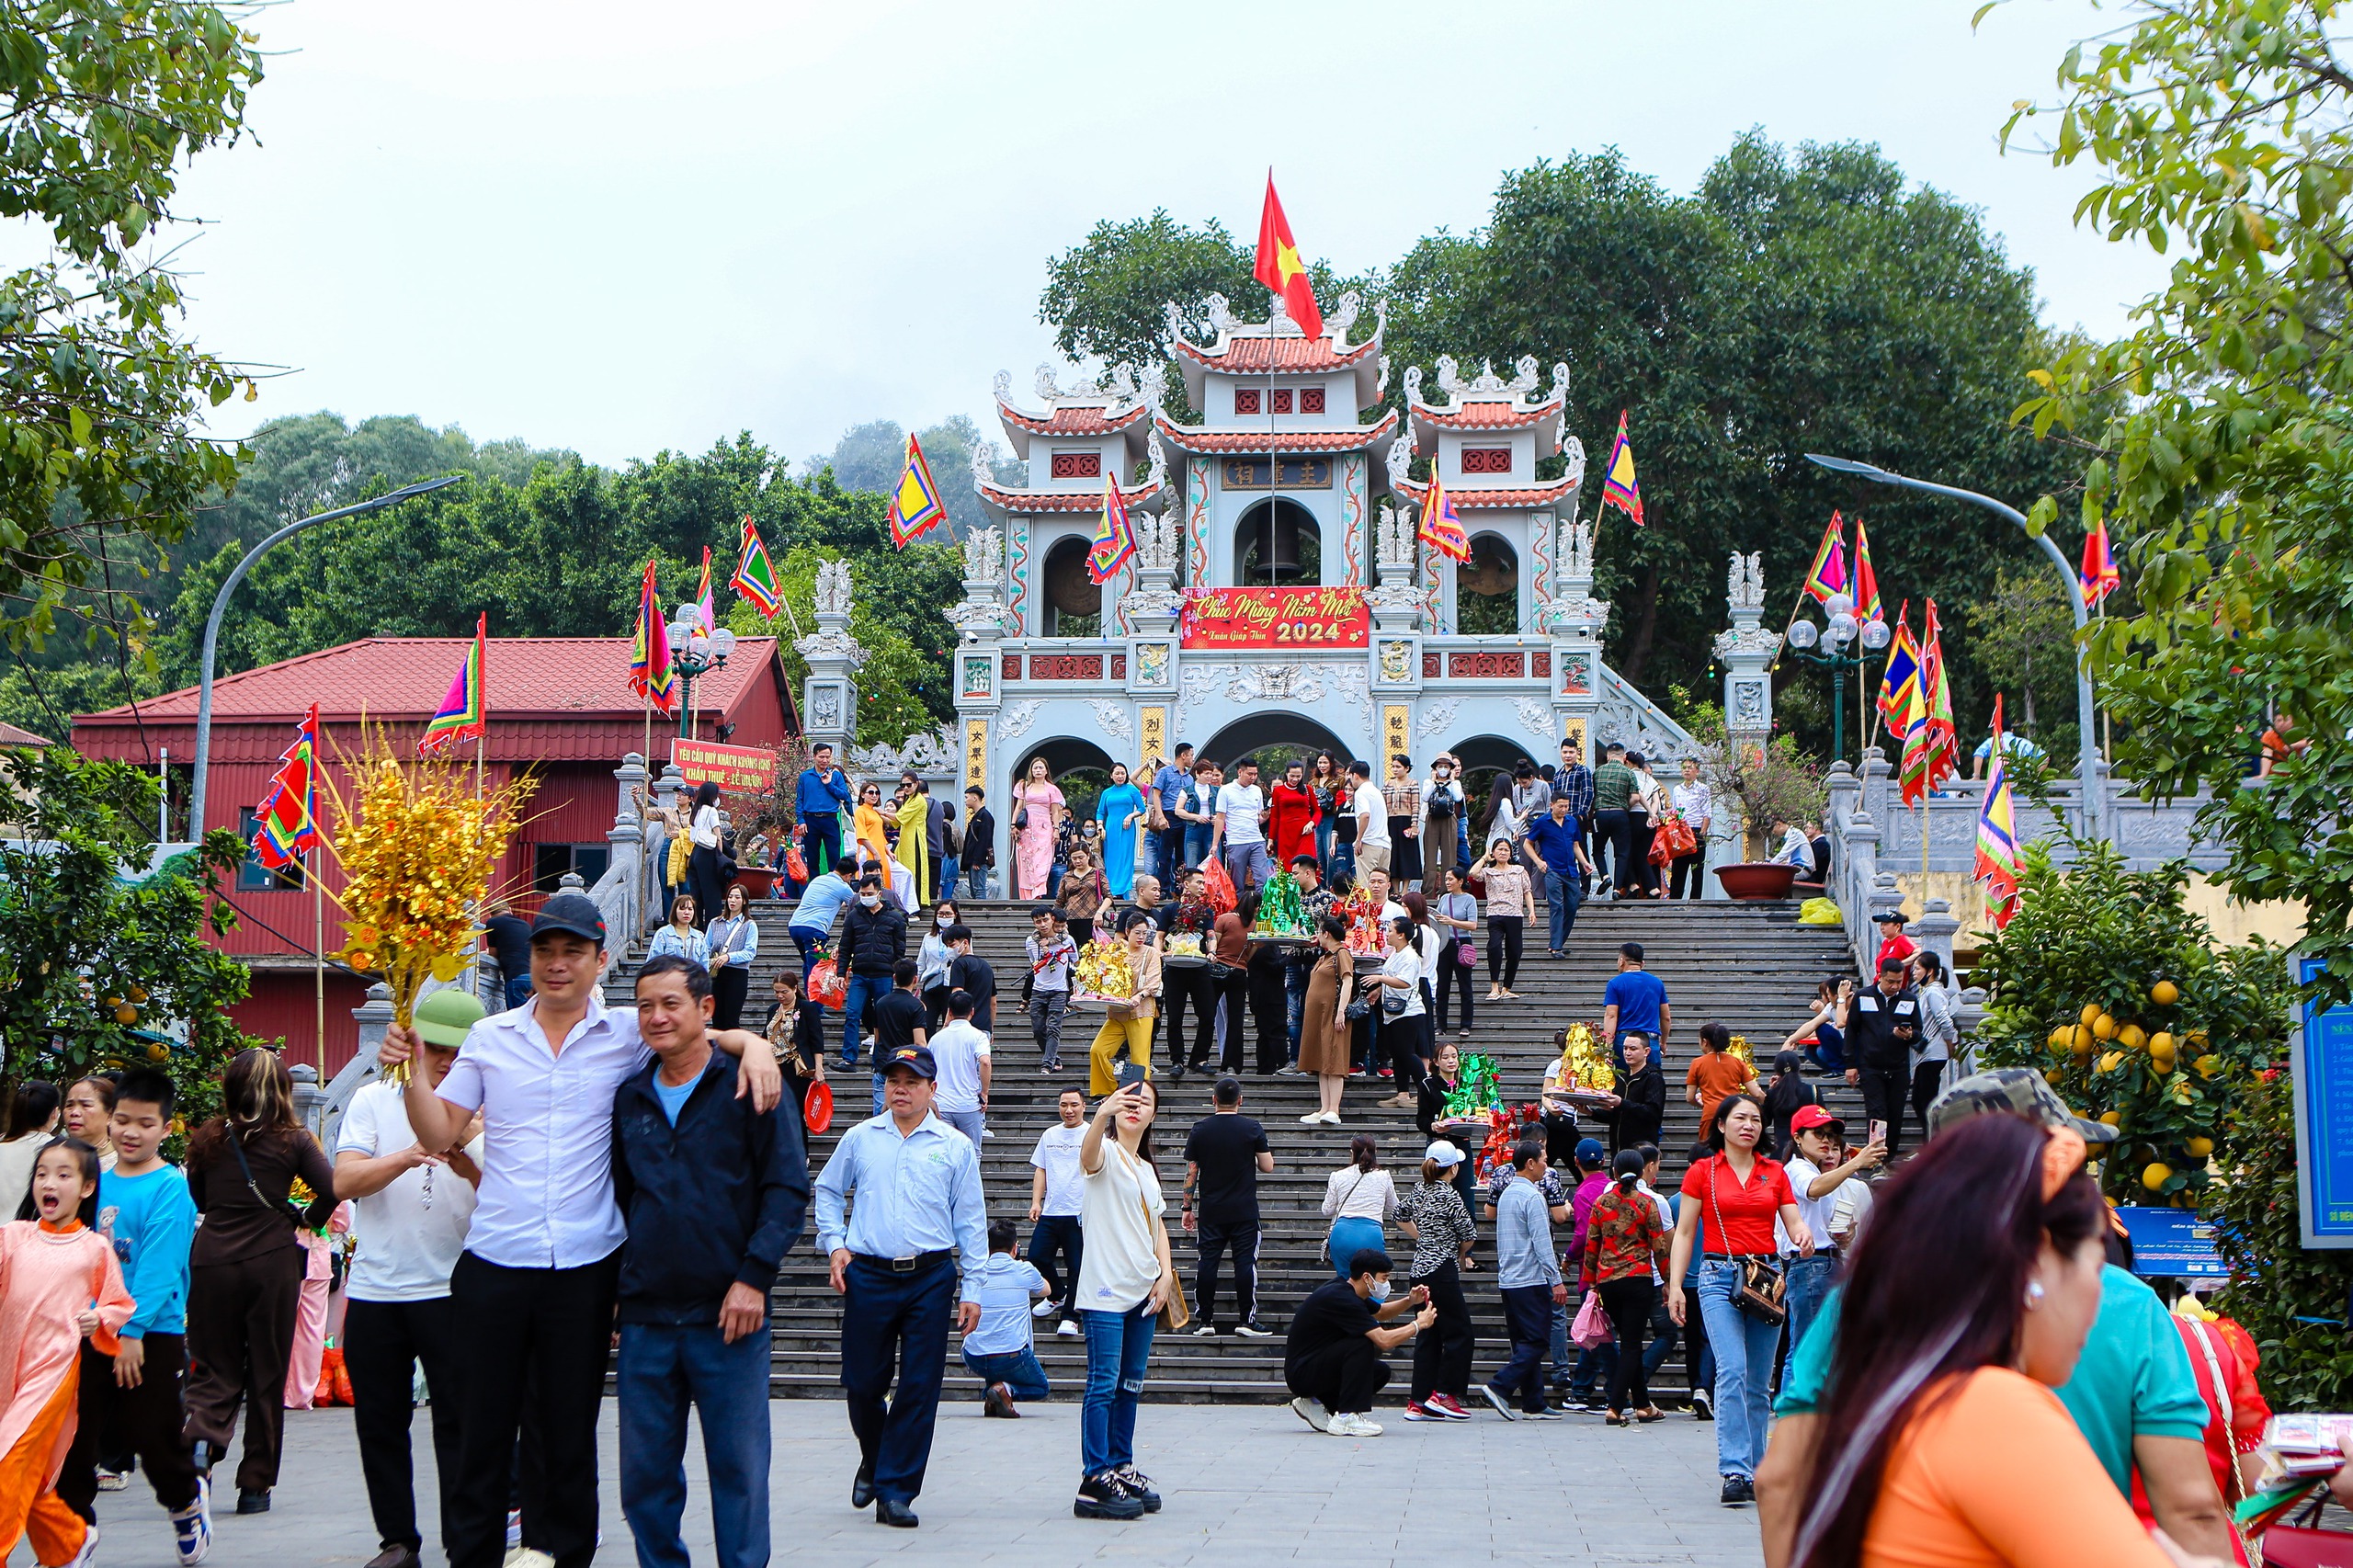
[(619, 228)]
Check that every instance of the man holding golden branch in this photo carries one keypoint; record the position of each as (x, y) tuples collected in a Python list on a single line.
[(542, 1259)]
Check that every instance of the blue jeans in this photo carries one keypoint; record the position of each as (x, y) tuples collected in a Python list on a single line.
[(663, 1371), (1295, 978), (1348, 1238), (518, 991), (1810, 1281), (1017, 1369), (1562, 894), (1528, 1315), (863, 988), (894, 1325), (1324, 847), (949, 869), (1744, 1348), (976, 881), (1117, 1347)]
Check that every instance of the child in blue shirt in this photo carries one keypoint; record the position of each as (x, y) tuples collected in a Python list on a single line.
[(133, 1396)]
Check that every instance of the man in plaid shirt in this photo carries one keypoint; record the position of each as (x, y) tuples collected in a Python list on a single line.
[(1573, 782)]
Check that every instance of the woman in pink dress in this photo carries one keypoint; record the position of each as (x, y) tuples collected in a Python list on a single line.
[(1033, 842), (59, 1285)]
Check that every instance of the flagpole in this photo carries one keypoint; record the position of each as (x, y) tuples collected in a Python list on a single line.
[(2107, 727), (319, 954)]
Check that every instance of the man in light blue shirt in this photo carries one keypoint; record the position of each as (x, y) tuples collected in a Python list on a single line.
[(919, 1206), (999, 1351), (1169, 784), (1529, 1280)]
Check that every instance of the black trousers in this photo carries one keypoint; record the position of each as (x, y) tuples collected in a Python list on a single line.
[(240, 1322), (1505, 933), (1884, 1089), (1927, 1081), (1453, 972), (1232, 994), (1641, 832), (1407, 1034), (894, 1328), (1213, 1242), (1060, 1233), (1442, 1356), (1270, 1018), (1342, 1378), (703, 881), (1181, 984), (383, 1343), (542, 1335), (727, 989), (1683, 876), (1629, 1302), (1614, 832), (144, 1421)]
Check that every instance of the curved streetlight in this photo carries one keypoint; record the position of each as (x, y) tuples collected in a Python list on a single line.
[(2086, 736), (220, 607)]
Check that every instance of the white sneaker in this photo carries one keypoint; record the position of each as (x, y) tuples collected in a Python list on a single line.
[(1045, 1309), (1353, 1425), (1069, 1329), (111, 1481), (89, 1552), (192, 1526), (1312, 1413), (528, 1557), (1331, 1118), (1312, 1118)]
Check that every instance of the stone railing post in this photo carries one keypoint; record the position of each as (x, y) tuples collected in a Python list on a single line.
[(1855, 850), (308, 1097)]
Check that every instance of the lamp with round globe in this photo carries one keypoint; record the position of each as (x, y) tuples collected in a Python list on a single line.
[(697, 653), (1827, 646)]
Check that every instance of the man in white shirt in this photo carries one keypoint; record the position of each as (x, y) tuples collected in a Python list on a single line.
[(1795, 850), (1239, 825), (1372, 811), (961, 1052), (1057, 1193), (542, 1258), (410, 1214)]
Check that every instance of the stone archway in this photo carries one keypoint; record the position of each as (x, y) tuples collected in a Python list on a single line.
[(1271, 738), (1483, 758), (1085, 765)]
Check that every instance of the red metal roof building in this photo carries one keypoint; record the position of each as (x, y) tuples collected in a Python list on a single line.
[(558, 708)]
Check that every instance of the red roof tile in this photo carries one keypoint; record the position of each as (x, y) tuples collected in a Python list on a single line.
[(1191, 438), (12, 736), (1082, 420), (1261, 354), (1485, 415), (1029, 501), (1465, 496)]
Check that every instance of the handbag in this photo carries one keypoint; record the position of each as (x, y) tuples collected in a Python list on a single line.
[(1021, 820), (1173, 1313), (1762, 1288), (1591, 1329), (1392, 1005), (826, 986), (1359, 1009), (1466, 952)]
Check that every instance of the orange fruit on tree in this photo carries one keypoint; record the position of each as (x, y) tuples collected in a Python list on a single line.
[(2156, 1176), (2164, 992), (125, 1014), (2081, 1042), (2111, 1062), (2207, 1065), (2090, 1014), (159, 1051), (2112, 1118), (2060, 1037), (2104, 1027), (2200, 1147), (2161, 1053), (2052, 1076), (2132, 1036)]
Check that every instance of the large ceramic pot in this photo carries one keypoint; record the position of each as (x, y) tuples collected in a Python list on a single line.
[(760, 883), (1757, 878)]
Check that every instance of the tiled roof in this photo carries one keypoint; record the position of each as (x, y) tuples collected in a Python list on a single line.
[(1261, 354), (12, 736), (399, 679), (1483, 415), (1191, 438), (1084, 419), (1031, 501), (1466, 497)]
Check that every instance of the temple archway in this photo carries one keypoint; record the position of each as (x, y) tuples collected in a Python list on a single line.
[(1276, 544), (1486, 588), (1073, 600), (1484, 758), (1080, 770), (1272, 740)]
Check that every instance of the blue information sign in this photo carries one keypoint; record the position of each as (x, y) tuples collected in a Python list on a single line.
[(2322, 1060), (2172, 1242)]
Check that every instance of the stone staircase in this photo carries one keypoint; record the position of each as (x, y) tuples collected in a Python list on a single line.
[(1750, 965)]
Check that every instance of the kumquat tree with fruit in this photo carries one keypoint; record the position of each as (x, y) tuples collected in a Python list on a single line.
[(2107, 983)]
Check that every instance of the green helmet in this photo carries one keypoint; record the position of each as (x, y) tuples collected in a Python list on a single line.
[(444, 1018)]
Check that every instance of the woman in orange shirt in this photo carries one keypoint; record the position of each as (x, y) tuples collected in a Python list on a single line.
[(1715, 1073), (1969, 1301)]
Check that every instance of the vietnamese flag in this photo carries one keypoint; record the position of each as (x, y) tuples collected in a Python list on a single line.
[(1280, 267)]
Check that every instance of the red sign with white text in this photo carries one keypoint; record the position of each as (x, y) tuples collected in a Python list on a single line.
[(1277, 617), (738, 770)]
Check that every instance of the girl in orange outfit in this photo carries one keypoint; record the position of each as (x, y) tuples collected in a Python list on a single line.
[(59, 1285), (1969, 1301)]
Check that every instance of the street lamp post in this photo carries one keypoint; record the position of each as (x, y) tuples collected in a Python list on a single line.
[(2095, 806), (221, 605), (1824, 645), (698, 654)]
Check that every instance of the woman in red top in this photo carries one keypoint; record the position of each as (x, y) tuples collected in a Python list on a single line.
[(1730, 1201), (1624, 1238), (2223, 1358), (1290, 818)]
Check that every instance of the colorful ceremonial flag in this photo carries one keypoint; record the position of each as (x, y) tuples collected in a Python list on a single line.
[(1866, 605), (1997, 835), (1918, 752), (1935, 692), (1441, 527), (1827, 575), (288, 816), (703, 605), (1902, 677), (1619, 488), (914, 500), (651, 673), (1280, 267), (461, 715), (2098, 578), (1115, 538), (754, 579)]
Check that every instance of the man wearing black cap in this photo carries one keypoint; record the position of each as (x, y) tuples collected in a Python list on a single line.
[(542, 1256), (917, 1183)]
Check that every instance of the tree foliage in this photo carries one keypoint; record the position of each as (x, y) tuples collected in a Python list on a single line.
[(101, 101), (2291, 1300), (870, 457), (1794, 303), (2023, 633), (2222, 131)]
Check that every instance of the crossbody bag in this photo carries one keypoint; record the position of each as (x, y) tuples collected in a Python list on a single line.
[(1762, 1288)]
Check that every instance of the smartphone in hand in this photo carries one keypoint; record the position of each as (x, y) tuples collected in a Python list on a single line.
[(1879, 1132), (1132, 1074)]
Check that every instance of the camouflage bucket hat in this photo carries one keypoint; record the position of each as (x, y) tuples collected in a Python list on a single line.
[(2019, 1090)]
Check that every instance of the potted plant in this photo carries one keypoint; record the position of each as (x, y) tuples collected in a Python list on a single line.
[(1771, 780), (768, 814)]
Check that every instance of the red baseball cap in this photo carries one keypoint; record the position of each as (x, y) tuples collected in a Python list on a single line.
[(1812, 1116)]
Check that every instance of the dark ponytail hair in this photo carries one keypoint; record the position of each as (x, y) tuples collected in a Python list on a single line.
[(1628, 1170), (1937, 1289), (1365, 1153)]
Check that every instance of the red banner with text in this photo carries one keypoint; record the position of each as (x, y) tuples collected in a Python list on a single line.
[(737, 770), (1276, 617)]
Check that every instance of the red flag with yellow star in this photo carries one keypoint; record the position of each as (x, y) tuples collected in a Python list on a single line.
[(1280, 267)]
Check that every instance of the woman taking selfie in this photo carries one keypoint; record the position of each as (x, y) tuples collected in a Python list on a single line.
[(1124, 1277)]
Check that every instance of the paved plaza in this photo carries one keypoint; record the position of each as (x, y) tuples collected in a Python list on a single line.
[(1244, 1484)]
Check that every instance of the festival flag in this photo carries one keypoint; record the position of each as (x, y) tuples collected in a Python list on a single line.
[(1997, 836), (1441, 526), (1866, 605), (461, 715), (2099, 577), (651, 672), (1935, 692), (914, 500), (1827, 575), (754, 578), (1280, 267), (1902, 677), (1115, 538), (1618, 486), (703, 606), (1918, 752), (288, 817)]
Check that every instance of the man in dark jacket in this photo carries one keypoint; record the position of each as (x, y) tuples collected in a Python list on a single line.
[(874, 939), (714, 1193), (1883, 1025), (980, 844)]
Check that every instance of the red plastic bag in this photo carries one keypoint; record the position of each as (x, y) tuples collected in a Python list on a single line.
[(817, 1110), (1221, 896), (827, 987), (794, 866)]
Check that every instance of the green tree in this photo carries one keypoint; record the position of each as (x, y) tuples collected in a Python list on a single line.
[(870, 457), (102, 396), (2221, 132), (2024, 636)]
